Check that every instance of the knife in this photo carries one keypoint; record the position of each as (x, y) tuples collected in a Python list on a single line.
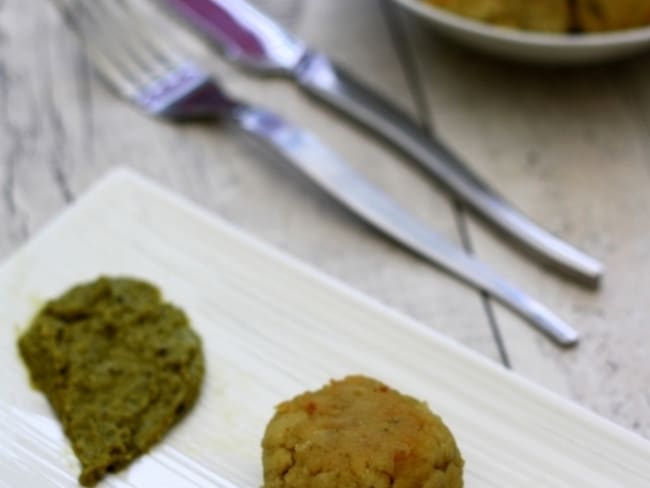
[(251, 39)]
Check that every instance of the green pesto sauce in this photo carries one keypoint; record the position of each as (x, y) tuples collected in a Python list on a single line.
[(118, 365)]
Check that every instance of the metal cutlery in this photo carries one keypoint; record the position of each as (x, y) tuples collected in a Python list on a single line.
[(147, 69), (251, 39)]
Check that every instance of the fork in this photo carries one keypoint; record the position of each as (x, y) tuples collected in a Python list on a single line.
[(252, 40), (152, 72)]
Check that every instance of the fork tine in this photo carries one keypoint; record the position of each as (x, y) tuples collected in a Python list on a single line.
[(142, 48), (124, 50), (108, 64), (131, 55), (112, 28), (156, 45)]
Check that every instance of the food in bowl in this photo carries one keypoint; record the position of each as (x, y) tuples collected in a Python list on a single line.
[(539, 15), (558, 16), (358, 432), (604, 15)]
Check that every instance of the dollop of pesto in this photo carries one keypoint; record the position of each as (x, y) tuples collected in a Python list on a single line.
[(118, 365)]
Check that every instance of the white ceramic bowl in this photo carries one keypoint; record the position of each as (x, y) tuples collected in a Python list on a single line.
[(532, 47)]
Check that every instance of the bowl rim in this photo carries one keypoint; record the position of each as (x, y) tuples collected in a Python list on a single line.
[(527, 38)]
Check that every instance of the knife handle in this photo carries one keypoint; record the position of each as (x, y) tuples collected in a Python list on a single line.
[(336, 177), (319, 77)]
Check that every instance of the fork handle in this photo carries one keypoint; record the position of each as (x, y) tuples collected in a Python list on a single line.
[(325, 168), (321, 78)]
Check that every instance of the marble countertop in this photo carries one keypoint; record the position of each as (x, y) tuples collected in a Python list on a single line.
[(570, 146)]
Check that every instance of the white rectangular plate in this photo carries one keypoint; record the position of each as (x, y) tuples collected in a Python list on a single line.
[(272, 328)]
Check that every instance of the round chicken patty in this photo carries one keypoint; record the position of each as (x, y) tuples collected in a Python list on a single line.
[(359, 433)]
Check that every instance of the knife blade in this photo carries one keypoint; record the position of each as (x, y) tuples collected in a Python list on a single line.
[(254, 41)]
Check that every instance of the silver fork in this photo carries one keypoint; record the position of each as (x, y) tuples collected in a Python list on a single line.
[(148, 70)]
